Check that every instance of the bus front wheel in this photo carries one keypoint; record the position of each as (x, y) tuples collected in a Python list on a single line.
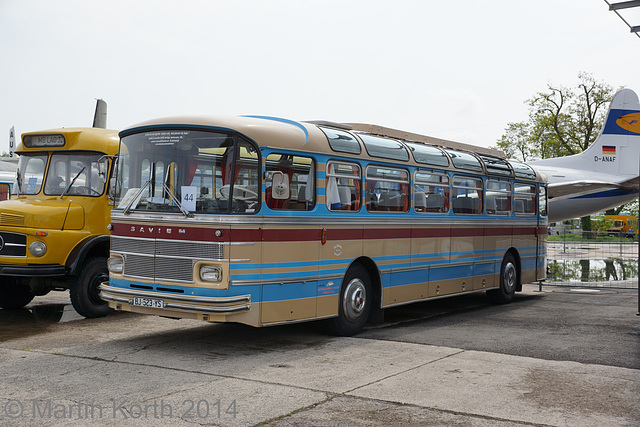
[(508, 282), (85, 292), (355, 302), (13, 294)]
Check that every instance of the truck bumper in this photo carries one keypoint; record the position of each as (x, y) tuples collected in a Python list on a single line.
[(33, 270)]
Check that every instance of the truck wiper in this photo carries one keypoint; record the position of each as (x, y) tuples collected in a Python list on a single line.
[(64, 193)]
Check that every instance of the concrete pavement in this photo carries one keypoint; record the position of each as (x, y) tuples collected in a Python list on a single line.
[(143, 370)]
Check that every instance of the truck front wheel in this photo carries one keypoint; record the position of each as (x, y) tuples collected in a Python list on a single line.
[(85, 292), (13, 294)]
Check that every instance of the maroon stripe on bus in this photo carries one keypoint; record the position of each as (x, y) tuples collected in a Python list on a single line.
[(387, 233), (295, 235), (421, 233), (311, 234)]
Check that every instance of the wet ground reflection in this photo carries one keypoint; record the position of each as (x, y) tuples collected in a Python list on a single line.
[(591, 270)]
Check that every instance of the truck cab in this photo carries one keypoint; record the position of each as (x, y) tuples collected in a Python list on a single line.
[(54, 229)]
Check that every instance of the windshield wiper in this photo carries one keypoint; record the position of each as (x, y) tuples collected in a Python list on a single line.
[(64, 193), (173, 197), (135, 197)]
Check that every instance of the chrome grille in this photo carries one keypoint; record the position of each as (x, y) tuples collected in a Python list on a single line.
[(174, 269), (163, 259), (190, 249), (140, 246), (139, 266)]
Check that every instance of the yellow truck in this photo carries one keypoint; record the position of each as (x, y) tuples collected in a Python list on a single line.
[(623, 225), (53, 229)]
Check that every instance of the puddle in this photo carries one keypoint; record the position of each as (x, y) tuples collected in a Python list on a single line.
[(592, 270), (34, 320)]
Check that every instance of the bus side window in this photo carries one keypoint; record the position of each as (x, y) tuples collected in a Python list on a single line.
[(298, 174), (431, 192), (524, 199), (343, 186), (467, 195), (387, 189), (498, 197)]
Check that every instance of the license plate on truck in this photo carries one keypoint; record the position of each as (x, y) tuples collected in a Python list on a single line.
[(148, 302)]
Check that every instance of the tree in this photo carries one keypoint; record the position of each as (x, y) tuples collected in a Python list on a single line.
[(561, 122)]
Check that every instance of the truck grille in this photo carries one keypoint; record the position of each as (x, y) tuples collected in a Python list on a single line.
[(13, 244), (157, 259)]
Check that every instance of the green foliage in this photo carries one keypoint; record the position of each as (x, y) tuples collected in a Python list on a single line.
[(561, 121)]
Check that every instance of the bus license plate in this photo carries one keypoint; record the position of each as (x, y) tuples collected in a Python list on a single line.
[(148, 302)]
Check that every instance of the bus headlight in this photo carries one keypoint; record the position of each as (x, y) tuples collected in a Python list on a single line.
[(210, 273), (115, 265), (38, 248)]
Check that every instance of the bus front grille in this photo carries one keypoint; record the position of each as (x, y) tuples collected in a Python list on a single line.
[(157, 259)]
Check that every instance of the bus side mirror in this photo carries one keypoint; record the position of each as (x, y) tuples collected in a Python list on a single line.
[(280, 186)]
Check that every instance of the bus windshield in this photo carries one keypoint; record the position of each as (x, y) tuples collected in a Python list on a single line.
[(187, 171)]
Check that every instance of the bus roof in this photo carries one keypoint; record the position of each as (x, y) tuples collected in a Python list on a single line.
[(308, 136), (90, 139)]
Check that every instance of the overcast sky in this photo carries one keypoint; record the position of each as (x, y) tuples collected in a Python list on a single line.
[(458, 70)]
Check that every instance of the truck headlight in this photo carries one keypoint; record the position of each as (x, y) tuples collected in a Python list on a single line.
[(210, 273), (115, 265), (38, 248)]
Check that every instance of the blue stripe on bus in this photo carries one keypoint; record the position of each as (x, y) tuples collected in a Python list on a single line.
[(311, 287)]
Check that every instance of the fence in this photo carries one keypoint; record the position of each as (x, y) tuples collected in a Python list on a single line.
[(592, 259)]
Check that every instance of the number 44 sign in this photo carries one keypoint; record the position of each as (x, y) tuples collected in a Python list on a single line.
[(189, 197)]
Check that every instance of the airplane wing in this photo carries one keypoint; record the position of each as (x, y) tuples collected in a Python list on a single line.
[(561, 190)]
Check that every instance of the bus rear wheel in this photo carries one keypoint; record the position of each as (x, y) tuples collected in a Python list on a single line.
[(355, 302), (13, 294), (508, 282), (85, 292)]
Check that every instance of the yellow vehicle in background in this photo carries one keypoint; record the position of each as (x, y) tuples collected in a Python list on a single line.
[(53, 230), (623, 225)]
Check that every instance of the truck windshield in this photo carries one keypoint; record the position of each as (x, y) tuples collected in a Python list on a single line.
[(30, 173), (187, 170), (80, 170)]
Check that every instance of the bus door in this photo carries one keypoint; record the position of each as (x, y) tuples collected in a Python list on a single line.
[(340, 243), (498, 237), (467, 235), (291, 240)]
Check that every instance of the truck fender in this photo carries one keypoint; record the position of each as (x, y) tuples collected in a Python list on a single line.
[(88, 247)]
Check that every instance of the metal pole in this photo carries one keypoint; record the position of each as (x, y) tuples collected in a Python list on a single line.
[(638, 235)]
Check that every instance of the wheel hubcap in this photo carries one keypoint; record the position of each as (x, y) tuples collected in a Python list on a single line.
[(355, 298), (509, 277)]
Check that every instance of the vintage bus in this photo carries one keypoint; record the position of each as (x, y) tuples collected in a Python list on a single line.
[(265, 221), (53, 230)]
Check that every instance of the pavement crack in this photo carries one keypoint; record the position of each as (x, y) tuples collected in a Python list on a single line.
[(404, 371)]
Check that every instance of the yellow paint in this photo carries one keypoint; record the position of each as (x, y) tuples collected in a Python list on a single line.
[(630, 122)]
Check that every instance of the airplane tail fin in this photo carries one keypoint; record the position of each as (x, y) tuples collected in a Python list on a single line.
[(100, 116), (617, 149)]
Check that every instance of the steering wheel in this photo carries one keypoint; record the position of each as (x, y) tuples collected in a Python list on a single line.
[(224, 193)]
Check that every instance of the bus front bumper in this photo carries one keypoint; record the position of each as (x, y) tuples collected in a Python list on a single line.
[(158, 300)]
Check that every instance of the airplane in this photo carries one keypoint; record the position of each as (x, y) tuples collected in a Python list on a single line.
[(603, 176)]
